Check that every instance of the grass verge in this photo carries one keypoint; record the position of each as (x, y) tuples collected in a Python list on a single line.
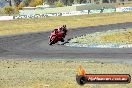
[(56, 73), (44, 24), (122, 36)]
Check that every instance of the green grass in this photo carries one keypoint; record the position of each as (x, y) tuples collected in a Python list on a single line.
[(44, 24)]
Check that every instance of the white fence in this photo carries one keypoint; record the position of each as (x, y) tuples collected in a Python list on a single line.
[(123, 9), (119, 9), (66, 13), (6, 17)]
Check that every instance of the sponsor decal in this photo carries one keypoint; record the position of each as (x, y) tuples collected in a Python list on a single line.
[(123, 9), (83, 78)]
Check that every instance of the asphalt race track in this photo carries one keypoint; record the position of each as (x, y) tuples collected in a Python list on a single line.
[(36, 45)]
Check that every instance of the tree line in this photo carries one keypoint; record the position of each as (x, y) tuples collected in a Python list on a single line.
[(16, 5), (33, 3)]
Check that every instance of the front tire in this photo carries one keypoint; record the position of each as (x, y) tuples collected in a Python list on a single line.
[(53, 40)]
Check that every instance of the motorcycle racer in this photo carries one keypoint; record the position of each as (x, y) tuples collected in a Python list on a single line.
[(58, 35)]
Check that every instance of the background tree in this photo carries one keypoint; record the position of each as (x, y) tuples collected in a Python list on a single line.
[(8, 10), (75, 1), (20, 6), (10, 2), (34, 3), (26, 2), (17, 2), (51, 2), (59, 4), (67, 2), (70, 2)]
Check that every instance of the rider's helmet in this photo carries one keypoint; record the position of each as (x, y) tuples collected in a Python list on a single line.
[(59, 28), (64, 26)]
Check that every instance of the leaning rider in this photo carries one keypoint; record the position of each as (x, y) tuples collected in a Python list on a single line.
[(64, 29), (60, 34), (59, 29)]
